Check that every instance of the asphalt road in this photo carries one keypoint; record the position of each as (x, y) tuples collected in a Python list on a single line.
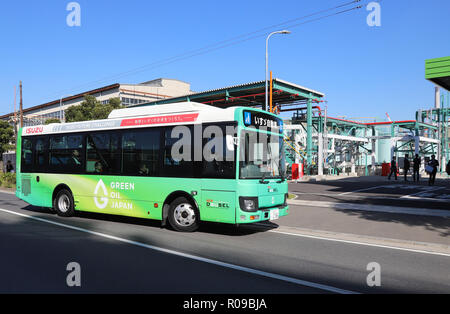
[(375, 207), (377, 191), (126, 255)]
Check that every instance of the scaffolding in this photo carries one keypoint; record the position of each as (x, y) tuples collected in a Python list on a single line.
[(330, 145), (333, 146)]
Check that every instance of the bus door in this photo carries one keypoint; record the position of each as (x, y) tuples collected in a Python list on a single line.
[(219, 177)]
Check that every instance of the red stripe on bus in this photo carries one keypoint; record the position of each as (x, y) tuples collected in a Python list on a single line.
[(179, 118)]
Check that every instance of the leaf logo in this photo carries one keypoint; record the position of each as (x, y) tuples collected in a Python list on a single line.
[(104, 200)]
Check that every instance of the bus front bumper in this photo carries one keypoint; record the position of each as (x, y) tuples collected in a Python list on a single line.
[(265, 214)]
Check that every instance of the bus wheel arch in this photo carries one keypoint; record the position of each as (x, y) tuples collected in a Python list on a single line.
[(176, 197), (62, 194)]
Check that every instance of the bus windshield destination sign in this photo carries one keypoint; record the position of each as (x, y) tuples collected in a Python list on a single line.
[(260, 120)]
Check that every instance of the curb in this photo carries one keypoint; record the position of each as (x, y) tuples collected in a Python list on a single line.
[(12, 192)]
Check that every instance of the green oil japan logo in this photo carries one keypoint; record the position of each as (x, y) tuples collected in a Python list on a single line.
[(103, 200), (114, 198)]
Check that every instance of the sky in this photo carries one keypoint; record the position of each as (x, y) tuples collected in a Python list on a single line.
[(363, 71)]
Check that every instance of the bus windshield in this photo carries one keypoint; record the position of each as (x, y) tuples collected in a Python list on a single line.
[(262, 156)]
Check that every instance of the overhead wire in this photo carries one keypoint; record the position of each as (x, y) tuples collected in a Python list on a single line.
[(221, 44)]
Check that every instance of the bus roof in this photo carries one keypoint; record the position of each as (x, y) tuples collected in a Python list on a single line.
[(158, 115), (176, 108)]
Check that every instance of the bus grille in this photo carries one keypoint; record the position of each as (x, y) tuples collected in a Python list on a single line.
[(26, 187)]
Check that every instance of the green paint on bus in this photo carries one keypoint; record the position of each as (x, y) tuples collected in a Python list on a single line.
[(221, 197)]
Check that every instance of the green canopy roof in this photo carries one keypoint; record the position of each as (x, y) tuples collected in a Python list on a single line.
[(438, 71)]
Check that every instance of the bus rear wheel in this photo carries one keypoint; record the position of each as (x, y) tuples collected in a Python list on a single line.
[(63, 204), (183, 215)]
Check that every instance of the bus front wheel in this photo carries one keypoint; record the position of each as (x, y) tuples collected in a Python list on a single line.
[(63, 204), (183, 215)]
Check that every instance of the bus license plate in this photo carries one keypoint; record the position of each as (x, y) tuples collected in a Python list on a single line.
[(274, 214)]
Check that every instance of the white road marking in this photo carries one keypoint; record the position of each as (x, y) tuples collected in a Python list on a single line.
[(425, 193), (375, 208), (398, 186), (192, 257), (445, 199), (362, 190), (359, 243)]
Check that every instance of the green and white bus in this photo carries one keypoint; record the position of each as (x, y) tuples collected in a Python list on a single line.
[(130, 165)]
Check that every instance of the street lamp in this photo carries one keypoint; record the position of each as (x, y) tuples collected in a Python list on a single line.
[(267, 64), (60, 107)]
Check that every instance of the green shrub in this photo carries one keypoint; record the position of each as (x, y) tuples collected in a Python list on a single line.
[(8, 180)]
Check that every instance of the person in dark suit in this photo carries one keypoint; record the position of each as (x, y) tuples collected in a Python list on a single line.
[(435, 164), (9, 166), (98, 167), (406, 166), (393, 168), (416, 167), (75, 160)]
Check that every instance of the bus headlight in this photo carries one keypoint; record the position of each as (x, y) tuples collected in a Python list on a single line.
[(248, 204)]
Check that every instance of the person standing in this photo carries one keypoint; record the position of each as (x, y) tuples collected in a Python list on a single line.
[(75, 160), (9, 166), (447, 169), (434, 164), (416, 167), (393, 168), (406, 166)]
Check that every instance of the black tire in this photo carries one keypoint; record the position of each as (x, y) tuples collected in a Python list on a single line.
[(183, 215), (64, 204)]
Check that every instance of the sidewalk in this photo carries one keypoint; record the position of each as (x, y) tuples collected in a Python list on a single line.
[(317, 178), (9, 191)]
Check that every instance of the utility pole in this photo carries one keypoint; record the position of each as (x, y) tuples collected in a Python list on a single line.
[(271, 92), (325, 140), (15, 114), (309, 139), (21, 105), (437, 107)]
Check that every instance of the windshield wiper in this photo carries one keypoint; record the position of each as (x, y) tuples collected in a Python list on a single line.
[(283, 178), (263, 179)]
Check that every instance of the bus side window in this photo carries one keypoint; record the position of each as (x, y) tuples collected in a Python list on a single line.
[(103, 153), (175, 166), (218, 159), (27, 155), (40, 163), (66, 153), (141, 152)]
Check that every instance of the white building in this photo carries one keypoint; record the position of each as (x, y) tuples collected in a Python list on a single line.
[(129, 94)]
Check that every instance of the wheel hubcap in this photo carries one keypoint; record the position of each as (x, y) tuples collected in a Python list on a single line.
[(184, 215), (63, 203)]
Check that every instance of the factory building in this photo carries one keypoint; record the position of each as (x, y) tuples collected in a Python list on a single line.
[(129, 94)]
